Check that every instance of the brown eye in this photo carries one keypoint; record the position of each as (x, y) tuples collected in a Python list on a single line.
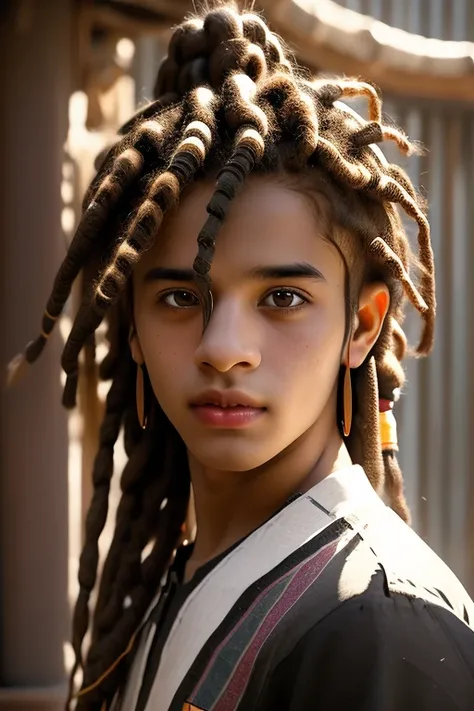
[(181, 299), (283, 299)]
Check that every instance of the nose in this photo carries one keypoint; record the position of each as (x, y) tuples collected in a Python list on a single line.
[(229, 340)]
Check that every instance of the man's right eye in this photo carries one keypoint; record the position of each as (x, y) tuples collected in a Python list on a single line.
[(180, 299)]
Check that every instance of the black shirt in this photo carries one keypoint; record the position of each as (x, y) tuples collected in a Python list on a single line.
[(383, 626), (378, 651)]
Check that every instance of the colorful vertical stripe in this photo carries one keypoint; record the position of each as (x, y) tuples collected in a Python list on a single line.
[(226, 676)]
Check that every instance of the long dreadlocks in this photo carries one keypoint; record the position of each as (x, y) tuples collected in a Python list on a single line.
[(228, 99)]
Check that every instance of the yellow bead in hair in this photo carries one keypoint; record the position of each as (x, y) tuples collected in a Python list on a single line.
[(388, 431)]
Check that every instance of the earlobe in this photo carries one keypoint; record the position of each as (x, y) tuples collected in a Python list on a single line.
[(374, 303)]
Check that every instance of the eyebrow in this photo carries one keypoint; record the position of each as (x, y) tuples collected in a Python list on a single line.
[(169, 274), (298, 270)]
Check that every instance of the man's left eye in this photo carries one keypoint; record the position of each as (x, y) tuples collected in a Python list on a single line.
[(283, 299)]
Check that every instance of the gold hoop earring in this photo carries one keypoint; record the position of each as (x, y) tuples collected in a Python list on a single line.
[(140, 396), (347, 396)]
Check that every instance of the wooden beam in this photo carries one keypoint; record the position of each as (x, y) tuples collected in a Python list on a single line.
[(331, 38), (340, 41)]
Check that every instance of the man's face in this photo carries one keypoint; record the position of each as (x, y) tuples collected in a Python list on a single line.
[(272, 350)]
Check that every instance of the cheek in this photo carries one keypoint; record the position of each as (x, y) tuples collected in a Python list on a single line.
[(314, 339), (167, 351), (307, 358)]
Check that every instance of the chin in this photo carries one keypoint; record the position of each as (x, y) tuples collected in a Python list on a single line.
[(230, 458)]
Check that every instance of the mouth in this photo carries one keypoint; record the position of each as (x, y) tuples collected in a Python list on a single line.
[(226, 399), (227, 409)]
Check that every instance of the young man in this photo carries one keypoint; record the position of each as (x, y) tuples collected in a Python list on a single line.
[(263, 372)]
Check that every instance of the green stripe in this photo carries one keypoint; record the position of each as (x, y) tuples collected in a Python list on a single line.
[(230, 654)]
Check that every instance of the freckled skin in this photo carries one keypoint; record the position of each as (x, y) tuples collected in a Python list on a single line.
[(288, 360)]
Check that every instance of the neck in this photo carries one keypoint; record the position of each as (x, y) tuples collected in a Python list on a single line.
[(230, 505)]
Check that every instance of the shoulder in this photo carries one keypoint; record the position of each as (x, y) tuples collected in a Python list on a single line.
[(382, 650), (386, 626), (384, 542)]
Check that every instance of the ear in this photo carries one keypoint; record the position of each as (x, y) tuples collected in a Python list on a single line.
[(135, 347), (374, 302)]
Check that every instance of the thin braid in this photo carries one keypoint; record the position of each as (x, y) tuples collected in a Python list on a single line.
[(97, 513), (364, 440), (388, 354), (100, 201), (131, 616), (356, 89), (126, 169), (135, 469), (390, 380)]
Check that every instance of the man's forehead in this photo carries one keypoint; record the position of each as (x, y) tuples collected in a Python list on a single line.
[(267, 223)]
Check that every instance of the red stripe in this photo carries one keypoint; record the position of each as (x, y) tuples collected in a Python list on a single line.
[(302, 579)]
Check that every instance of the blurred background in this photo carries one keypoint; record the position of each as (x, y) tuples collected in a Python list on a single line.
[(71, 72)]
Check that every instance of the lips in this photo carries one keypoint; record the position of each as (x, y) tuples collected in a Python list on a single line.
[(227, 409)]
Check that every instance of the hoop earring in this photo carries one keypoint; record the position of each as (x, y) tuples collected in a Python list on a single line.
[(347, 396), (140, 396)]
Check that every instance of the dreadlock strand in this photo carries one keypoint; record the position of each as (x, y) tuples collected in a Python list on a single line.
[(140, 597), (356, 89), (221, 25), (394, 486), (392, 134), (126, 169), (255, 29), (239, 92), (188, 41), (398, 174), (297, 116), (251, 125), (368, 134), (381, 250), (163, 194), (100, 200), (393, 191), (97, 513), (357, 176), (189, 156), (160, 505), (364, 440), (134, 470)]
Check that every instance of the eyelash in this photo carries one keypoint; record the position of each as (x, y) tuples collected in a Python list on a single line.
[(284, 309)]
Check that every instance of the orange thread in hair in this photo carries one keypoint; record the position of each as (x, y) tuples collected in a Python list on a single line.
[(108, 671)]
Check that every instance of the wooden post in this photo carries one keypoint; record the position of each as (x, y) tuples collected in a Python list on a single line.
[(35, 42)]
